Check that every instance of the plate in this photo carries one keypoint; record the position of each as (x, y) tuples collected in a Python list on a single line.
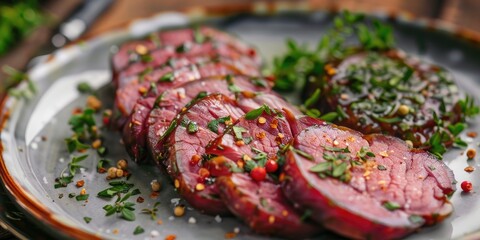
[(33, 132)]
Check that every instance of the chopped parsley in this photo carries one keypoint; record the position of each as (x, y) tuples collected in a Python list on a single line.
[(213, 125), (138, 230), (87, 219), (391, 206)]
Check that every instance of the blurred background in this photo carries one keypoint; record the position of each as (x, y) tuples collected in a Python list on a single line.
[(33, 27), (29, 28)]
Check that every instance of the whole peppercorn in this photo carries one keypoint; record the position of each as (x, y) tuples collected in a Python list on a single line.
[(112, 173), (119, 173), (471, 153), (403, 110), (122, 164), (156, 186), (179, 211)]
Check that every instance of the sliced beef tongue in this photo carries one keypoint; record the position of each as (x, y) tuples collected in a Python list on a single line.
[(168, 71), (365, 187), (127, 96), (184, 149), (133, 51), (164, 56), (174, 100), (263, 206), (252, 141)]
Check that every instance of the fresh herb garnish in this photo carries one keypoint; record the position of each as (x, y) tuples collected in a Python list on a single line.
[(82, 124), (238, 131), (192, 127), (392, 206), (365, 153), (213, 125), (167, 77), (72, 168), (198, 35), (142, 74), (138, 230), (73, 144), (117, 187), (101, 165), (337, 149), (302, 153), (84, 87), (381, 167), (87, 219), (255, 113), (15, 77), (183, 48), (121, 206), (152, 211), (82, 197)]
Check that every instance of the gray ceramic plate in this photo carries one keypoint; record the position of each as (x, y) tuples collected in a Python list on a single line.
[(33, 131)]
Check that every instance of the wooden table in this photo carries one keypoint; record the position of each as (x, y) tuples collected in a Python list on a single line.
[(460, 12)]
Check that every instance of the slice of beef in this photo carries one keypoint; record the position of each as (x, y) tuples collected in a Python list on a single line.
[(132, 51), (248, 137), (162, 57), (299, 122), (159, 73), (127, 96), (366, 187), (184, 148), (170, 103), (263, 206), (390, 92)]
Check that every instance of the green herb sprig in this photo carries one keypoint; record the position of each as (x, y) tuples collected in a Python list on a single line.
[(122, 207)]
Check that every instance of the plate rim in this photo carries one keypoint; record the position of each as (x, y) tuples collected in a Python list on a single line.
[(41, 214)]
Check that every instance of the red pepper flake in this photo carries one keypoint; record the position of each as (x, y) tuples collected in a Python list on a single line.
[(260, 135), (102, 170), (469, 169), (77, 111), (281, 178), (80, 183), (239, 143), (171, 237), (204, 173), (270, 78), (249, 94), (274, 124), (115, 231), (154, 195), (140, 200), (142, 90), (195, 159), (472, 134), (230, 235)]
